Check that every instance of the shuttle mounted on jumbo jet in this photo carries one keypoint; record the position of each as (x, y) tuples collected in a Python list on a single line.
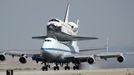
[(61, 53), (63, 30)]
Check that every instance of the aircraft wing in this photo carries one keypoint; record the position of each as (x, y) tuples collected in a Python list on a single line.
[(91, 58), (23, 55), (20, 53)]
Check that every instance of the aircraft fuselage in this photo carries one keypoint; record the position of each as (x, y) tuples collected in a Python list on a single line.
[(54, 51)]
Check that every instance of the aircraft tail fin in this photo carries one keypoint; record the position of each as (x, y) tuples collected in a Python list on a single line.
[(75, 45), (66, 14)]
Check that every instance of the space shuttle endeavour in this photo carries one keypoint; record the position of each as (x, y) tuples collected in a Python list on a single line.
[(63, 30)]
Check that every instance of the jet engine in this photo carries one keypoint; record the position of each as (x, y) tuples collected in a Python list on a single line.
[(91, 60), (2, 57), (120, 59), (22, 59)]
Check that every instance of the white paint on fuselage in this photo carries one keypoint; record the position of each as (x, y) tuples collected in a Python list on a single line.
[(52, 49)]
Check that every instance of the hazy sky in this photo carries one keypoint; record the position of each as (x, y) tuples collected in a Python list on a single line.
[(22, 19)]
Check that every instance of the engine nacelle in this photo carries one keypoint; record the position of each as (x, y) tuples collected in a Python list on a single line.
[(2, 57), (22, 60), (91, 60), (120, 59)]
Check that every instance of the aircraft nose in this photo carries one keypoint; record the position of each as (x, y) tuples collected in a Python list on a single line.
[(53, 27)]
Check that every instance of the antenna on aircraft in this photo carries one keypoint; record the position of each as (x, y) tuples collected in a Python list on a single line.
[(107, 44), (78, 22), (67, 14)]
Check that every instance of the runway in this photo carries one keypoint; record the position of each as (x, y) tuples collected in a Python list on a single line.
[(32, 68), (126, 71)]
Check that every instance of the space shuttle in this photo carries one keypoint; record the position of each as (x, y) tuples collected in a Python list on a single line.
[(63, 30)]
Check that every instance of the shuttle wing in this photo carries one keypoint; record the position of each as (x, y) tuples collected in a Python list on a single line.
[(67, 38), (83, 38), (60, 36), (39, 37)]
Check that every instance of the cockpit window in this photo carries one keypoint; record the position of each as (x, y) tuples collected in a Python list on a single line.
[(54, 20), (47, 40)]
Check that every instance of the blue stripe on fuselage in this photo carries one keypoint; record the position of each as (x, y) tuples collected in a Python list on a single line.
[(56, 49), (71, 48)]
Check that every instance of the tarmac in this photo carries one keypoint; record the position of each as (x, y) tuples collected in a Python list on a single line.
[(124, 71), (32, 68)]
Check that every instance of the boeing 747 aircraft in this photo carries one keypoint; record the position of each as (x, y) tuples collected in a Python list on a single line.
[(54, 50)]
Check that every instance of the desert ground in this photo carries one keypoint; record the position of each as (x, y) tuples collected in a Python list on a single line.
[(76, 72), (32, 68)]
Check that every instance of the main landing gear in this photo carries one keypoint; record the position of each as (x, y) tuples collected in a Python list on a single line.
[(56, 67), (67, 67), (76, 67), (76, 63), (45, 67)]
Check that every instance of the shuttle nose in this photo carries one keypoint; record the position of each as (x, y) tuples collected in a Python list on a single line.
[(51, 27), (54, 28)]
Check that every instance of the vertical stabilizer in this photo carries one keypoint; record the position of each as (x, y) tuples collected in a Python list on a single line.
[(67, 14), (75, 45)]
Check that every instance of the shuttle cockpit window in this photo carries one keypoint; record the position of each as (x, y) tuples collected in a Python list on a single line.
[(54, 20), (48, 40)]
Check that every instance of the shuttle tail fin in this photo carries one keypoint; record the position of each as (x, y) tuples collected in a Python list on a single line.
[(66, 14), (75, 45)]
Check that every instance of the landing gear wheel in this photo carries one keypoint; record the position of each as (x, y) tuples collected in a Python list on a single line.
[(56, 67), (76, 67), (67, 67), (48, 66), (44, 68)]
